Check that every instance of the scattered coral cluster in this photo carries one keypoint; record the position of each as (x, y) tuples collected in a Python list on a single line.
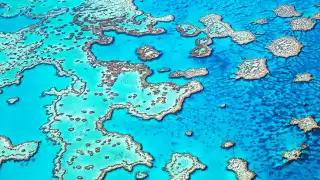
[(214, 28), (294, 154), (286, 11), (202, 48), (291, 155), (147, 53), (240, 167), (189, 73), (306, 124), (261, 21), (252, 69), (316, 16), (182, 165), (305, 77), (227, 144), (20, 152), (285, 47), (301, 24), (13, 100), (141, 175)]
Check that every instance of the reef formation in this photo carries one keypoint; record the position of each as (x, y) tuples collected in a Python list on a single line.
[(20, 152), (227, 144), (285, 47), (306, 124), (182, 165), (252, 69), (214, 28), (189, 73), (286, 11), (76, 116), (291, 155), (240, 168), (13, 100), (305, 77), (147, 53)]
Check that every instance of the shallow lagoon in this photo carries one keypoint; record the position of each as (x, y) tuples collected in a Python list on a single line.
[(22, 121)]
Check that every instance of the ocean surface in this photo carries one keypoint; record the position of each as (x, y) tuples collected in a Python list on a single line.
[(256, 117)]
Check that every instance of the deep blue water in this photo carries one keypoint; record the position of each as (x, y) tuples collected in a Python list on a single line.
[(256, 118)]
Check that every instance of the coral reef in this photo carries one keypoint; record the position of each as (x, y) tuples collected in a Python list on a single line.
[(261, 21), (214, 28), (240, 167), (202, 48), (291, 155), (227, 144), (306, 124), (20, 152), (305, 77), (189, 73), (141, 175), (148, 53), (252, 69), (286, 11), (182, 165), (316, 16), (13, 100), (301, 24), (75, 116), (162, 70), (189, 133), (285, 47), (188, 30)]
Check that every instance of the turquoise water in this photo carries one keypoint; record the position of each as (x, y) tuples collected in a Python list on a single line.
[(15, 23), (22, 121), (256, 118)]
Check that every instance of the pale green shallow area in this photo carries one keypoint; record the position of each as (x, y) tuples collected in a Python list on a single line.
[(145, 101), (19, 152), (182, 165)]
